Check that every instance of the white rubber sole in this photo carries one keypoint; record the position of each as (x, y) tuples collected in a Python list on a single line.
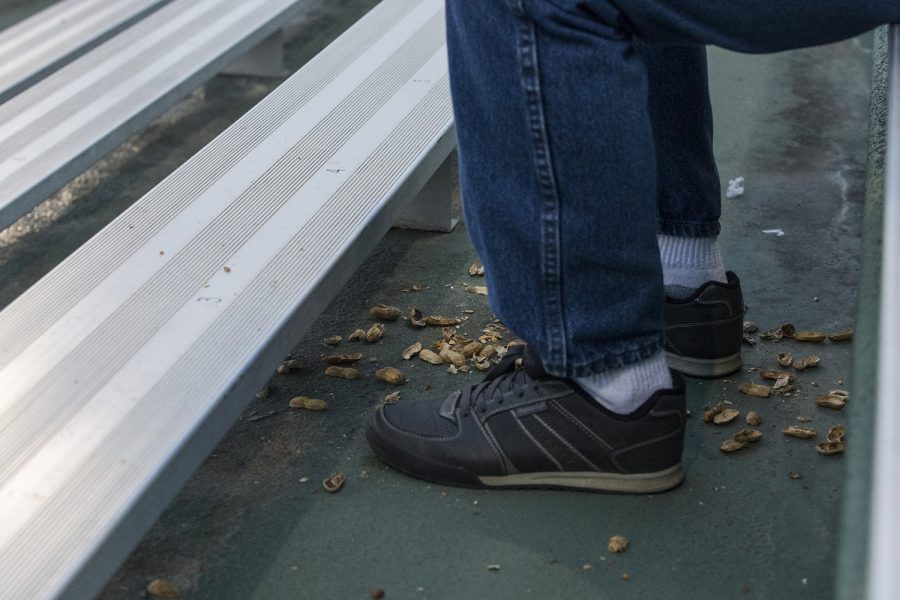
[(704, 367), (638, 483)]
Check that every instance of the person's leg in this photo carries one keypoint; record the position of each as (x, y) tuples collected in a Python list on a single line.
[(559, 190), (559, 181), (704, 305), (559, 186), (753, 27)]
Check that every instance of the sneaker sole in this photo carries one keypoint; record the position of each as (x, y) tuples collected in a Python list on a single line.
[(636, 483), (706, 368)]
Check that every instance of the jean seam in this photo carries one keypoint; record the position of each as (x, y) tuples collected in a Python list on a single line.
[(593, 362), (550, 207)]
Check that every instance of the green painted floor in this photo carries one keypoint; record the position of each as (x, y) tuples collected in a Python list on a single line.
[(254, 522)]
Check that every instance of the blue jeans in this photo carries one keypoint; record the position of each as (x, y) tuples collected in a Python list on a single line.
[(584, 129)]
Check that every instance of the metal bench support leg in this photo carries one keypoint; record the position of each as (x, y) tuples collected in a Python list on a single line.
[(266, 59), (432, 208)]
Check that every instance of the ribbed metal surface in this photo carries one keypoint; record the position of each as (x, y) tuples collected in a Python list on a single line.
[(35, 47), (121, 368), (884, 547), (57, 128)]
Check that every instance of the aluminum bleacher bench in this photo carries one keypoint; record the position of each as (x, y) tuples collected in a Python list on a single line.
[(57, 128), (122, 368), (40, 44)]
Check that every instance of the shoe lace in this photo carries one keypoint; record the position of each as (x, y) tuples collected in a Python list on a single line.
[(481, 395)]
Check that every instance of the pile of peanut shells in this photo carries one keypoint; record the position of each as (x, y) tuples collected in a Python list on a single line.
[(783, 381)]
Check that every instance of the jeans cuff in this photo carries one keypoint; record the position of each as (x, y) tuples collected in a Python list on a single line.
[(687, 229), (592, 363)]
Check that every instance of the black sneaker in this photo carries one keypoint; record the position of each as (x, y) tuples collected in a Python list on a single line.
[(704, 332), (521, 427)]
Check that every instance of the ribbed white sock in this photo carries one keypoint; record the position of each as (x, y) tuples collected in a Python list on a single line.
[(689, 262), (625, 389)]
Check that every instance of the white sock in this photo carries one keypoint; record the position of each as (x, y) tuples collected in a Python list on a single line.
[(689, 262), (625, 389)]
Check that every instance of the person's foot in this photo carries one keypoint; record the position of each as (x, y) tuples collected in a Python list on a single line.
[(704, 331), (521, 427)]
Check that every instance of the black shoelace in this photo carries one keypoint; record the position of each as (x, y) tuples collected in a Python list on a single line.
[(480, 396)]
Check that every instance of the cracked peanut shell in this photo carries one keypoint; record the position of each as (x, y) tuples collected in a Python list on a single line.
[(711, 414), (836, 434), (741, 439), (834, 399), (772, 375), (804, 433), (810, 336), (726, 416), (342, 359), (357, 336), (342, 372), (755, 389), (457, 359), (841, 336), (617, 544), (753, 419), (335, 482), (806, 363), (472, 348), (416, 319), (375, 333), (476, 269), (830, 448), (785, 359), (440, 321), (412, 351)]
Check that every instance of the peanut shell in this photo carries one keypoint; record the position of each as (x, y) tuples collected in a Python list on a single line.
[(308, 403), (430, 356), (841, 336), (341, 359), (160, 588), (415, 318), (375, 333), (441, 321), (810, 336), (384, 312), (804, 433), (754, 389), (710, 415), (412, 351), (806, 363), (335, 482), (617, 544), (726, 416), (830, 448), (390, 375), (342, 372), (457, 359)]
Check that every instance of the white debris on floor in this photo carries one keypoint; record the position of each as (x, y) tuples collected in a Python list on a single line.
[(735, 187)]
